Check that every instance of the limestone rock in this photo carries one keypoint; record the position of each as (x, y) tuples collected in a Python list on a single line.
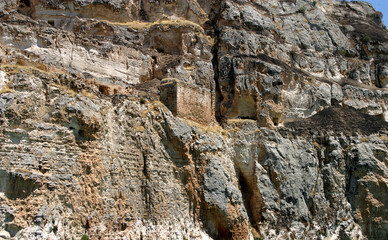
[(193, 119)]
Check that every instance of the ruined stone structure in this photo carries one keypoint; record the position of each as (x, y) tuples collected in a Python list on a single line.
[(193, 119), (187, 101)]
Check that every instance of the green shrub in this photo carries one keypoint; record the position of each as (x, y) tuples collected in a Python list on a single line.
[(367, 38), (55, 229), (379, 14), (302, 9), (85, 237)]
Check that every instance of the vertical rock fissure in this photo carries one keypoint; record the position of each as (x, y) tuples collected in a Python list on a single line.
[(251, 203), (215, 33)]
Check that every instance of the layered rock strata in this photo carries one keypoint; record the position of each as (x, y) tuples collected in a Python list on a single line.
[(193, 119)]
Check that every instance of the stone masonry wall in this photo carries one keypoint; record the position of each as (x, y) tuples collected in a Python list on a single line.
[(187, 101)]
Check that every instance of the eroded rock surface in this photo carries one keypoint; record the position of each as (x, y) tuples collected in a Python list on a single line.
[(193, 119)]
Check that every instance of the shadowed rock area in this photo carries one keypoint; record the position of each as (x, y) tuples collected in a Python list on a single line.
[(341, 120)]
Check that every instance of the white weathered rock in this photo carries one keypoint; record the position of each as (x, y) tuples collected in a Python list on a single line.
[(3, 79), (4, 235)]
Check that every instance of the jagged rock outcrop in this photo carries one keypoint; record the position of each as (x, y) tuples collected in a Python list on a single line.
[(101, 134)]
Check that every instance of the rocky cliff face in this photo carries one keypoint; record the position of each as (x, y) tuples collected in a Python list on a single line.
[(193, 119)]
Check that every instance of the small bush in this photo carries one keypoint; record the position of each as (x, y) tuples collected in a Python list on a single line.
[(379, 14), (85, 237), (367, 39), (55, 229), (302, 9), (314, 3)]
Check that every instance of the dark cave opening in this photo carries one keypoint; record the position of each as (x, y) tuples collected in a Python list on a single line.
[(25, 3), (26, 8)]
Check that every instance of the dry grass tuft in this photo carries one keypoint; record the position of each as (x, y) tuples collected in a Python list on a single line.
[(7, 89), (164, 22), (211, 128)]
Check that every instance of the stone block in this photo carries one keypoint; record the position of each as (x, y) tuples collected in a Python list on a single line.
[(187, 100)]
